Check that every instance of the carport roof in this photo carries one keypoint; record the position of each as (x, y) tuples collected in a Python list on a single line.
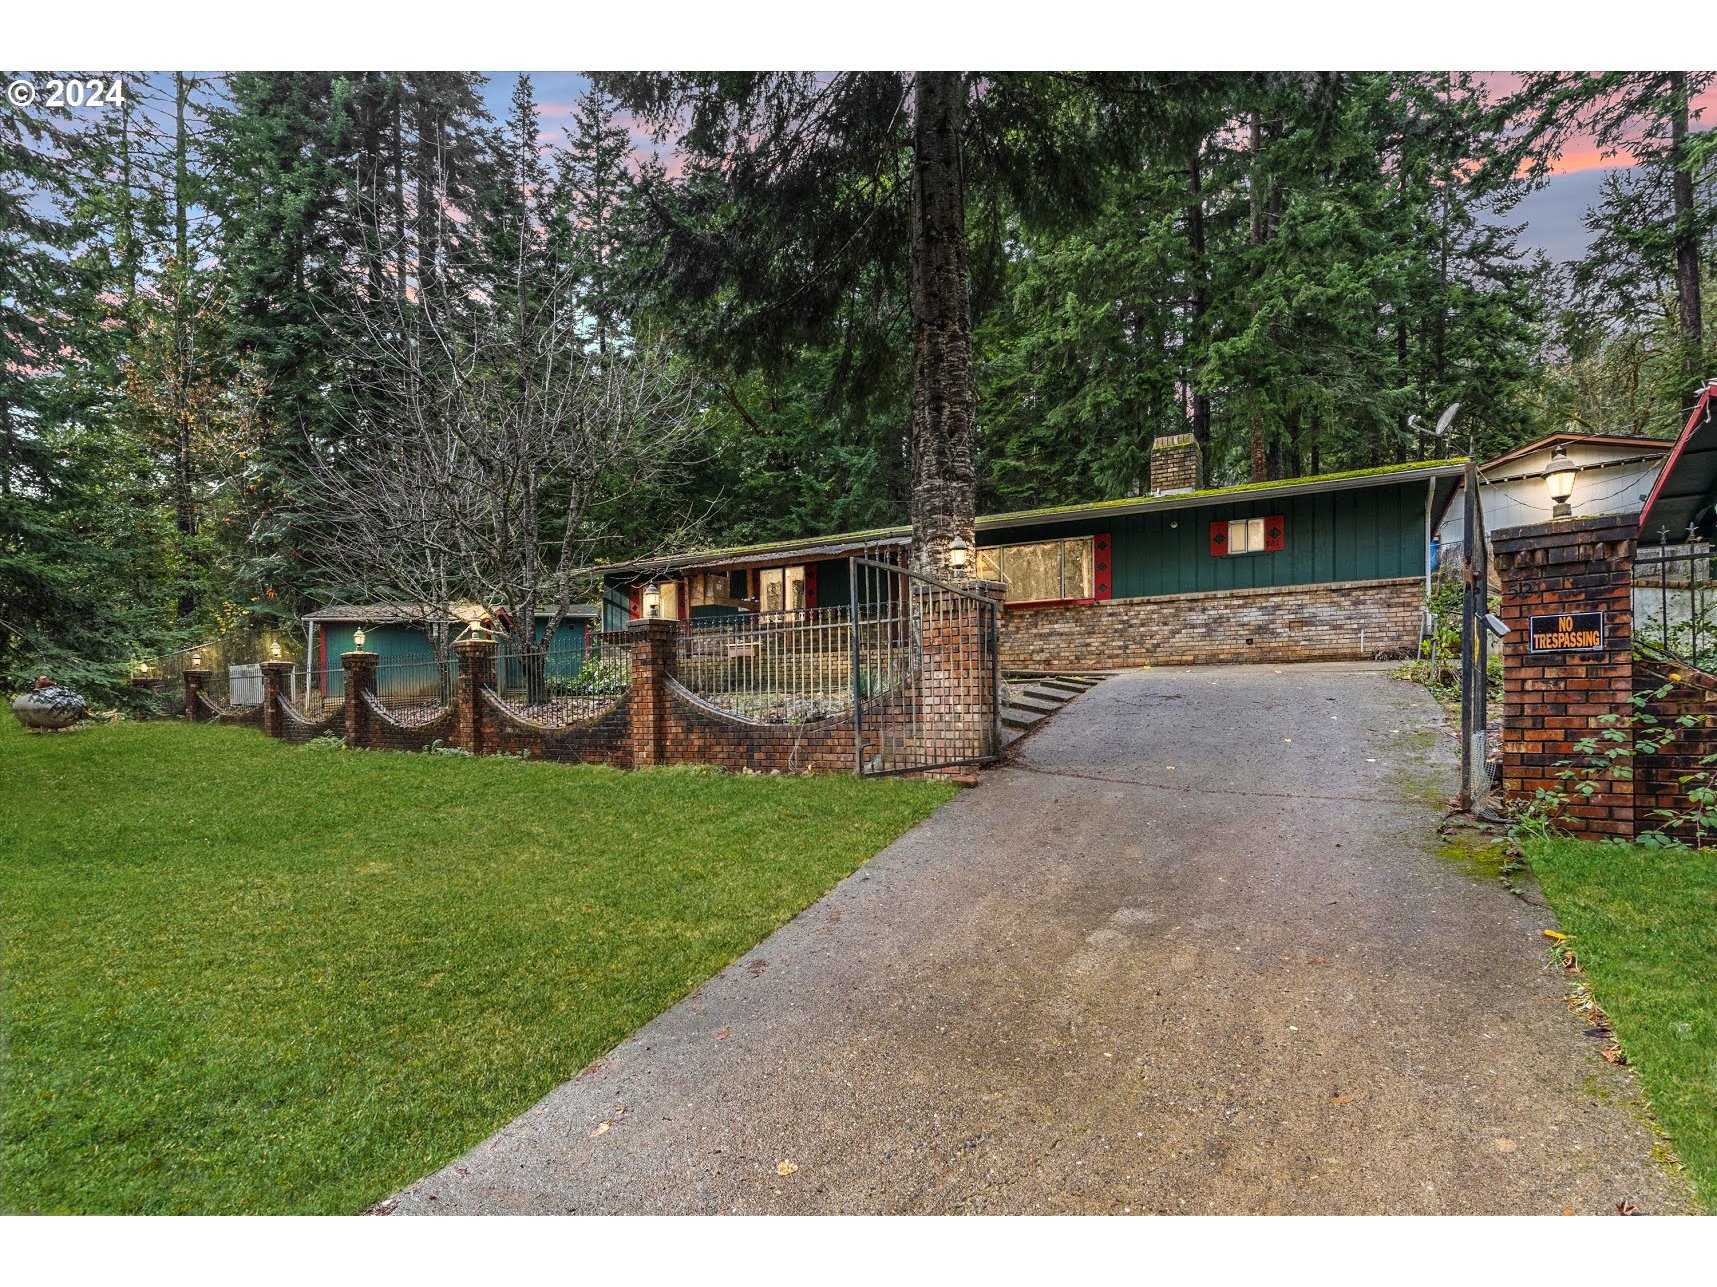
[(1442, 473), (1687, 487)]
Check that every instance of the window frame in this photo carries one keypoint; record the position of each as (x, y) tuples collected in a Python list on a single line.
[(1095, 562)]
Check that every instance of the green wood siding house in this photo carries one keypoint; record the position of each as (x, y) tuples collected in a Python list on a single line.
[(1323, 567)]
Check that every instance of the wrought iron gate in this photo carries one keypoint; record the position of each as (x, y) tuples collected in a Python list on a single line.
[(926, 672), (1673, 599)]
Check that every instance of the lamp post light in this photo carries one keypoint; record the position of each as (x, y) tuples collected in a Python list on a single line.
[(652, 600), (358, 638), (1559, 481), (197, 659), (959, 554), (274, 650)]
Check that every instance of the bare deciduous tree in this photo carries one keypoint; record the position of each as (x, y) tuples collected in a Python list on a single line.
[(479, 451)]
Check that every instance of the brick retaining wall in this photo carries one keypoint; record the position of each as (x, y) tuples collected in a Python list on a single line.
[(1343, 621)]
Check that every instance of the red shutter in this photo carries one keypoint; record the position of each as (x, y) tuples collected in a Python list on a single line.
[(635, 601), (1102, 582), (1275, 533), (810, 585), (685, 597), (1219, 539)]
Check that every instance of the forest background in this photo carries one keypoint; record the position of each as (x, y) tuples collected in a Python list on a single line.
[(1300, 269)]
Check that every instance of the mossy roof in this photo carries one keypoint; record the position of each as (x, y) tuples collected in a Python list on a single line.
[(846, 542)]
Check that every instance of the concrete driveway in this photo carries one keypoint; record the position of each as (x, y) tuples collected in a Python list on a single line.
[(1194, 952)]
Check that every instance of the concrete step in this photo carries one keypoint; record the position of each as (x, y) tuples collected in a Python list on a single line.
[(1072, 687), (1032, 700), (1019, 717)]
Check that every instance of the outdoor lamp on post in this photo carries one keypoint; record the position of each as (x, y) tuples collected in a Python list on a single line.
[(197, 659), (1559, 481), (358, 638), (274, 650), (959, 554), (652, 600)]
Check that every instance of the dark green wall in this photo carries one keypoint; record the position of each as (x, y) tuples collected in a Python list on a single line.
[(1361, 534), (1358, 534)]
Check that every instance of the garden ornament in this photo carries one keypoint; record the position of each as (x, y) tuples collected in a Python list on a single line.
[(48, 705)]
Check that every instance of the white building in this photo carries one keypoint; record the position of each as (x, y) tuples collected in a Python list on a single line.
[(1616, 475)]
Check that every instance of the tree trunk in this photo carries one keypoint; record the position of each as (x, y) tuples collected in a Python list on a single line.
[(1687, 299), (1200, 297), (1256, 425), (184, 508), (944, 393)]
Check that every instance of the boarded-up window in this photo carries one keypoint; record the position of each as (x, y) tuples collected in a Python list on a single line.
[(1041, 570)]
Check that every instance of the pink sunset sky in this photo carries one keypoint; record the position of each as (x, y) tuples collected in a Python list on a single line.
[(1552, 215)]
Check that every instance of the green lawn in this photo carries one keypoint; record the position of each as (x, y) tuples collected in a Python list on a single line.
[(246, 977), (1644, 926)]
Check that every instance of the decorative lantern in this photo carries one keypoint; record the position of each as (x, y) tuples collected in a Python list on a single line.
[(197, 659), (652, 600), (358, 638), (959, 554), (274, 650), (1559, 481)]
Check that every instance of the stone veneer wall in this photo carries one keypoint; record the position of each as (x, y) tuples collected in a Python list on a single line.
[(1344, 621)]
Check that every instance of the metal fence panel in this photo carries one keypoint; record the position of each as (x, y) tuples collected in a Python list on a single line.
[(775, 667), (926, 667)]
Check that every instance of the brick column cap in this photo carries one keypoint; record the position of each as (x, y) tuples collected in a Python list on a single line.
[(652, 628), (278, 667), (1531, 534)]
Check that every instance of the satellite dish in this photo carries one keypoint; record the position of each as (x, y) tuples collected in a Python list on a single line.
[(1447, 419)]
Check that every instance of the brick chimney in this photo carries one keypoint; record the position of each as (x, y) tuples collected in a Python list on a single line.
[(1175, 466)]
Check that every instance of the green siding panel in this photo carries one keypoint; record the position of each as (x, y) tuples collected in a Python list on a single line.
[(1358, 534)]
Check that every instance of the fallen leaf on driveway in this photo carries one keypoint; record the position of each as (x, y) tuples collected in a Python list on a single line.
[(1614, 1055), (1626, 1208), (721, 1033), (1555, 936), (786, 1168), (1506, 1146), (600, 1130), (1341, 1099)]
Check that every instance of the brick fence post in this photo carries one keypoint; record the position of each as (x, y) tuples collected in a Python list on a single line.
[(655, 651), (1552, 699), (476, 658), (961, 714), (275, 682), (195, 682), (359, 679)]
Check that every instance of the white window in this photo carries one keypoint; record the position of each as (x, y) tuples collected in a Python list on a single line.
[(1041, 570)]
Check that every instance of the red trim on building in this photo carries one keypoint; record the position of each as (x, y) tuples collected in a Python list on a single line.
[(635, 601), (1275, 533), (1103, 566), (1219, 538), (1669, 465), (810, 585)]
